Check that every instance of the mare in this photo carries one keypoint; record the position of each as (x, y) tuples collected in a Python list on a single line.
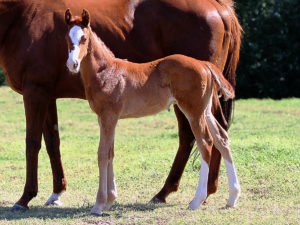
[(32, 52), (118, 89)]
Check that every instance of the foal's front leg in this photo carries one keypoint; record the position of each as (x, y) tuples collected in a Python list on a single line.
[(106, 191), (111, 186)]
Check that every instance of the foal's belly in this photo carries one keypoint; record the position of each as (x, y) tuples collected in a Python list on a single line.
[(147, 103)]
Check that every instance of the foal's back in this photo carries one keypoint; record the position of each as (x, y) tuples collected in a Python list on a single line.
[(151, 87), (144, 92)]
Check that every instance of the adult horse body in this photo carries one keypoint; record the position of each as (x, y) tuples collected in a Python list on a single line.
[(33, 51)]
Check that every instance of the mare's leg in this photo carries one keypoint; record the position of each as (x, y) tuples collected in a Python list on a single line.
[(107, 123), (214, 166), (186, 143), (204, 144), (51, 137), (221, 141), (36, 102)]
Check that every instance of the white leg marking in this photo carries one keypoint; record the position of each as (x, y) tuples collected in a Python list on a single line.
[(201, 192), (221, 142), (233, 183), (54, 199)]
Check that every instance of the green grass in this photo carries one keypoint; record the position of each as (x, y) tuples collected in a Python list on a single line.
[(265, 140)]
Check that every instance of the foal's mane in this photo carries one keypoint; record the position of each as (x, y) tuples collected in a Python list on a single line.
[(102, 44)]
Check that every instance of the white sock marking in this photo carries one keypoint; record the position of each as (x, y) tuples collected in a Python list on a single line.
[(201, 192), (233, 183), (54, 199)]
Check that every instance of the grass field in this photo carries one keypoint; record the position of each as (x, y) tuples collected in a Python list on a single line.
[(265, 140)]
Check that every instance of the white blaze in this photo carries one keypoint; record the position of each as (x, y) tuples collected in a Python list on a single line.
[(75, 35)]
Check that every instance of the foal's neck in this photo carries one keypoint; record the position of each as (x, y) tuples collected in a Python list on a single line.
[(99, 52), (97, 60)]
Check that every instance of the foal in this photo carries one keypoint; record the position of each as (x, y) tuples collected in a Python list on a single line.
[(119, 89)]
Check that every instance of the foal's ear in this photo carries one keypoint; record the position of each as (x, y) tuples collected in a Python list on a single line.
[(68, 16), (85, 18)]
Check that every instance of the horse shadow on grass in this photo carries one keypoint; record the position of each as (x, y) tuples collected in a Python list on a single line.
[(53, 212)]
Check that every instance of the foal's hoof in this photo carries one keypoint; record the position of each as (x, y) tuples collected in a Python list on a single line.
[(17, 207), (95, 214), (231, 204), (97, 210), (194, 205), (234, 195), (156, 200)]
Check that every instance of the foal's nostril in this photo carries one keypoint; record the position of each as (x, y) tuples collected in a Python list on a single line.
[(75, 65)]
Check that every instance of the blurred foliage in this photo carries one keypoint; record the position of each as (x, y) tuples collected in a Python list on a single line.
[(270, 55), (2, 78)]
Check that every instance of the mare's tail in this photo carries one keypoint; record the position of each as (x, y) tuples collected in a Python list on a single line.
[(233, 54), (224, 86)]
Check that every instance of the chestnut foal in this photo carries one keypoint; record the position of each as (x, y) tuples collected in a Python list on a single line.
[(119, 89)]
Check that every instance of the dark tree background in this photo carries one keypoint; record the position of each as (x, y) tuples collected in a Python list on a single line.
[(270, 55), (2, 79)]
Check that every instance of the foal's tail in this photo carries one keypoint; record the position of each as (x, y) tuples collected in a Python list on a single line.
[(225, 87)]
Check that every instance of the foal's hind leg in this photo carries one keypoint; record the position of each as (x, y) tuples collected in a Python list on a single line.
[(204, 143), (221, 141)]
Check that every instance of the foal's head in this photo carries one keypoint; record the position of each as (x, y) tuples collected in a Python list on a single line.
[(77, 38)]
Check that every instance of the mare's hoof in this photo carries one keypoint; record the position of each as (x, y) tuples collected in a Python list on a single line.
[(156, 200), (57, 203), (17, 207), (54, 200)]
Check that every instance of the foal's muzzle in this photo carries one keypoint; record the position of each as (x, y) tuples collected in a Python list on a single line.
[(73, 66)]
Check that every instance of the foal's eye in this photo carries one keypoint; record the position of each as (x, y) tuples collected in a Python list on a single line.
[(83, 40), (71, 48)]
